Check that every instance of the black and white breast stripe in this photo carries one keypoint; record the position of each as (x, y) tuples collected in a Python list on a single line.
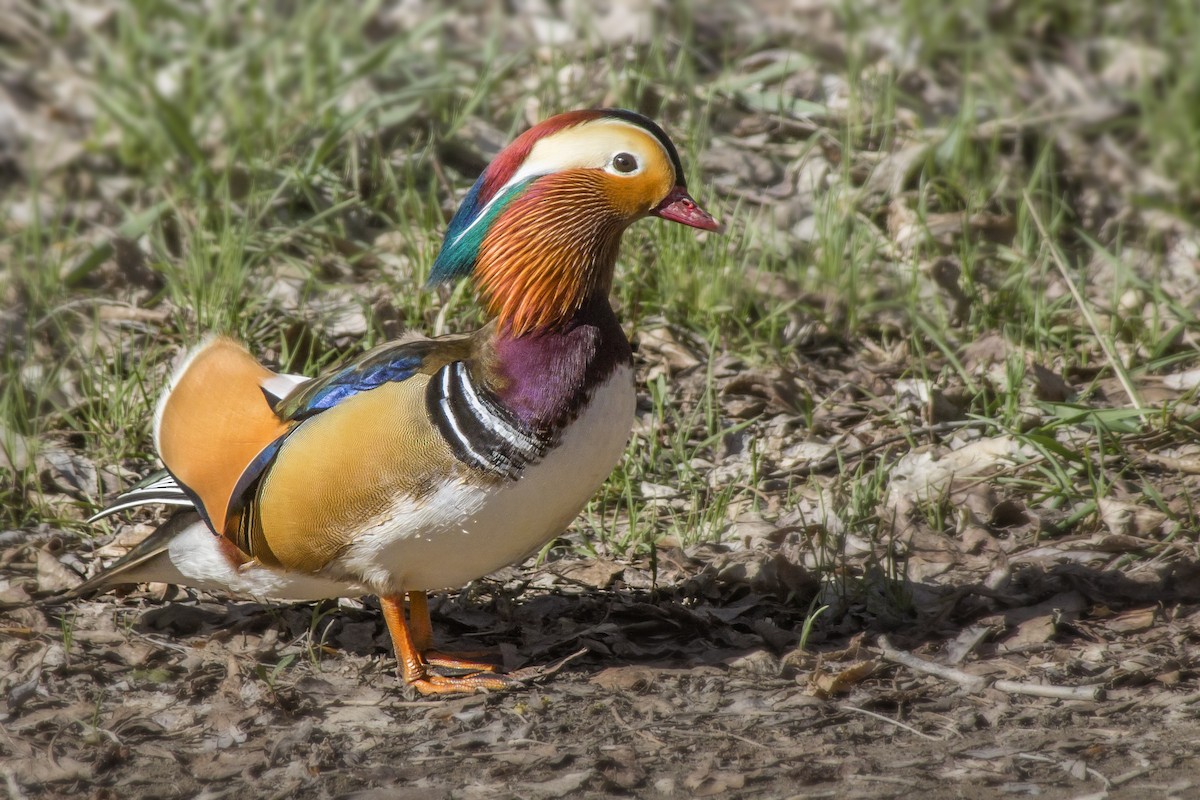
[(480, 432)]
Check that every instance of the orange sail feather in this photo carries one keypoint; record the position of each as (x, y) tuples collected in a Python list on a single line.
[(214, 421)]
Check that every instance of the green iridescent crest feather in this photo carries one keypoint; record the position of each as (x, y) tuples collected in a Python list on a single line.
[(465, 235)]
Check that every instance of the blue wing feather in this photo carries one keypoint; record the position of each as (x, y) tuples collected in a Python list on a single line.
[(354, 379), (389, 364)]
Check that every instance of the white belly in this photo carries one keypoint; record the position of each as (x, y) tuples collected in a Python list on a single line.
[(463, 532)]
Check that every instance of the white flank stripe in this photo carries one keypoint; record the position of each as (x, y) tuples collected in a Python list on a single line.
[(166, 501), (282, 384), (165, 483)]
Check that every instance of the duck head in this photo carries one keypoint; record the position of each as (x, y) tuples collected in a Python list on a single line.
[(540, 229)]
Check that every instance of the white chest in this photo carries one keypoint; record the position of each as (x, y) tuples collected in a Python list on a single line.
[(463, 532)]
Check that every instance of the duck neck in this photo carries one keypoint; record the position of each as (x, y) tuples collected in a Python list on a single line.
[(545, 377)]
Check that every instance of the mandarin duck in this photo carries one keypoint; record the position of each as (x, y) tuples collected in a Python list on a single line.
[(425, 464)]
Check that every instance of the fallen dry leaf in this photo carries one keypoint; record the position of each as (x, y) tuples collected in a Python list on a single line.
[(829, 684), (52, 576)]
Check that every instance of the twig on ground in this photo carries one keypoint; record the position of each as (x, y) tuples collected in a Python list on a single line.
[(977, 683), (664, 728), (709, 733), (1126, 777), (529, 674), (972, 683), (887, 779), (1066, 766), (1051, 690), (1186, 467), (896, 722)]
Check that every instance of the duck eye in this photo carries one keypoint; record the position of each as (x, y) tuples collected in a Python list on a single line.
[(624, 162)]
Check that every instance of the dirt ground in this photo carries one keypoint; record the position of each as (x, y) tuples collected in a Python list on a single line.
[(697, 689)]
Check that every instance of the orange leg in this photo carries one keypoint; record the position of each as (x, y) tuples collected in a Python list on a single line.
[(413, 666), (422, 627), (422, 636)]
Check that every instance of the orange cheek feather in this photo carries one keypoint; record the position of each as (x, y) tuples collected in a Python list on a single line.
[(634, 196), (544, 255)]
